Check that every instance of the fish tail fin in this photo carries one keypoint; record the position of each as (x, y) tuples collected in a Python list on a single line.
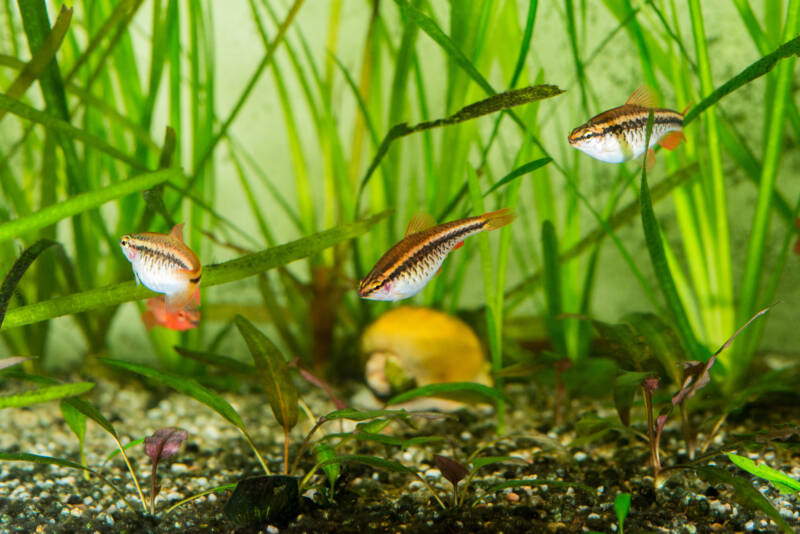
[(672, 140), (497, 219), (180, 299)]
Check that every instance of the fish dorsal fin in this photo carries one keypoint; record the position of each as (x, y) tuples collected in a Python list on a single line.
[(419, 222), (643, 96), (177, 232)]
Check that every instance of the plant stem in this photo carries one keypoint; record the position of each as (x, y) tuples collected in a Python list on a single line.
[(654, 460), (255, 450), (285, 450), (133, 473)]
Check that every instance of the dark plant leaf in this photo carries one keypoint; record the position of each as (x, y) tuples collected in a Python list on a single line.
[(264, 500), (18, 269), (451, 469), (626, 385), (273, 372), (164, 442), (744, 493)]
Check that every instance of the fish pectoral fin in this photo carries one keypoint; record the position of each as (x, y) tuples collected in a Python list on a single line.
[(458, 245), (177, 232), (672, 140), (643, 96), (179, 300), (650, 160), (419, 222)]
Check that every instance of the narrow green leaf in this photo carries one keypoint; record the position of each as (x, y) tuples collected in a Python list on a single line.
[(24, 111), (621, 506), (42, 58), (358, 415), (493, 104), (75, 420), (373, 461), (218, 360), (273, 372), (384, 439), (658, 257), (552, 287), (519, 171), (127, 446), (460, 391), (483, 461), (780, 480), (37, 459), (45, 394), (89, 410), (744, 493), (230, 271), (84, 202), (187, 386), (755, 70)]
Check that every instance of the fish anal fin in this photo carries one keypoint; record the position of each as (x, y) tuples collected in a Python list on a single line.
[(419, 222), (177, 232), (643, 96), (672, 140), (181, 299), (149, 320), (650, 160), (497, 219)]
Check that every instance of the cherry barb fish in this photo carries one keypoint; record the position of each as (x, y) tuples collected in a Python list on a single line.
[(409, 265), (619, 134), (164, 264)]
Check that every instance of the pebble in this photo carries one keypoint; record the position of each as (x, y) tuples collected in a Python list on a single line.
[(179, 468), (580, 456)]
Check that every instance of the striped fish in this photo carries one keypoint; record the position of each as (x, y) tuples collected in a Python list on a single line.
[(409, 265), (619, 134), (164, 264)]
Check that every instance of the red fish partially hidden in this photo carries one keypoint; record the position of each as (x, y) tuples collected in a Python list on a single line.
[(182, 319)]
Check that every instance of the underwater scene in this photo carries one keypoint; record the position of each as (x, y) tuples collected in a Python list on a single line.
[(401, 266)]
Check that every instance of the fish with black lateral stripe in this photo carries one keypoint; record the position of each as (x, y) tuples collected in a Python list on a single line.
[(619, 134), (409, 265), (164, 264)]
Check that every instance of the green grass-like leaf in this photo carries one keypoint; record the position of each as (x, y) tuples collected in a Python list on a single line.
[(18, 270), (744, 493), (622, 503), (780, 480), (45, 394), (84, 202), (460, 391)]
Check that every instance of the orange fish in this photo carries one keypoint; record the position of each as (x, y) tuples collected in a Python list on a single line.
[(180, 320), (162, 263)]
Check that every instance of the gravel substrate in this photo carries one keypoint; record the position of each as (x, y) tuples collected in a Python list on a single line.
[(41, 498)]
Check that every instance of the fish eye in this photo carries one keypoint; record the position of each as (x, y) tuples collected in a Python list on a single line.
[(123, 242)]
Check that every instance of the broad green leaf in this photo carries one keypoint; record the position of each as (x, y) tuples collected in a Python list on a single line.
[(744, 493), (187, 386), (460, 391), (374, 461), (18, 270), (626, 385), (76, 421), (218, 360), (323, 452), (780, 480), (273, 372), (45, 394), (230, 271)]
